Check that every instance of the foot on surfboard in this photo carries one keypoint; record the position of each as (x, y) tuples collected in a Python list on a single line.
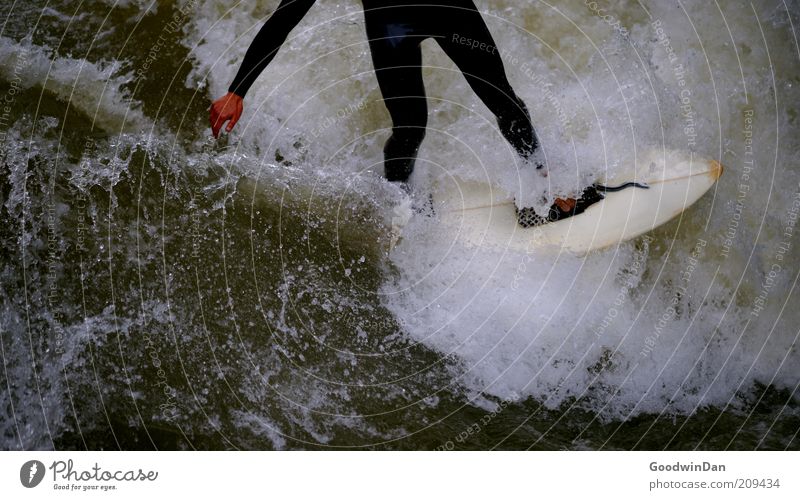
[(402, 213), (423, 205), (420, 203)]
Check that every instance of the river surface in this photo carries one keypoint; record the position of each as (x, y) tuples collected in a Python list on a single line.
[(164, 290)]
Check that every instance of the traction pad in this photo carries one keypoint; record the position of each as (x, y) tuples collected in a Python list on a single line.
[(527, 217)]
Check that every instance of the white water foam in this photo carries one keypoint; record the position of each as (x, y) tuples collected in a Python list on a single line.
[(95, 89), (609, 328)]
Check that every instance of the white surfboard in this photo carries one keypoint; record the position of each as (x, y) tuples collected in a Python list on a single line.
[(481, 214)]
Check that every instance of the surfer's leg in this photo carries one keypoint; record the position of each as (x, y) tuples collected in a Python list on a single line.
[(398, 67), (471, 47)]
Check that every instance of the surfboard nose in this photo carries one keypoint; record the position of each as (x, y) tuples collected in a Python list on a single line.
[(716, 169)]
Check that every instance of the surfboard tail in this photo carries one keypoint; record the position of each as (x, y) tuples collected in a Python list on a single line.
[(483, 215), (716, 170)]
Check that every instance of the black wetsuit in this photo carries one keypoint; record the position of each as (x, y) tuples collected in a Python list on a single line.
[(395, 29)]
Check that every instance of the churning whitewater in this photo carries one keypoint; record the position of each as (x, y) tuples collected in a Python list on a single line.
[(163, 289)]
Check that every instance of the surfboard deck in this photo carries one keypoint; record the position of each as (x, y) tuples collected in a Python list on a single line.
[(481, 214)]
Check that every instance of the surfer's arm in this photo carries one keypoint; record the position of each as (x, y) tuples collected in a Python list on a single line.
[(262, 50), (267, 42)]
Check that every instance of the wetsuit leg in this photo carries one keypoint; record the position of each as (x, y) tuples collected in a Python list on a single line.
[(484, 71), (397, 58)]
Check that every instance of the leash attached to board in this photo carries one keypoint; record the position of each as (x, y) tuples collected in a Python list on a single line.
[(614, 189), (527, 217)]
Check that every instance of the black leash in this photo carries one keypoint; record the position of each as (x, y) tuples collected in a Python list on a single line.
[(613, 189), (527, 217)]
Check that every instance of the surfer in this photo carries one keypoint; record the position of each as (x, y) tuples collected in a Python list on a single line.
[(395, 29)]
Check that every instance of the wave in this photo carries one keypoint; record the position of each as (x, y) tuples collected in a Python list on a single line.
[(242, 294)]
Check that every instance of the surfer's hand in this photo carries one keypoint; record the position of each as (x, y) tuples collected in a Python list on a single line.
[(566, 205), (227, 107)]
